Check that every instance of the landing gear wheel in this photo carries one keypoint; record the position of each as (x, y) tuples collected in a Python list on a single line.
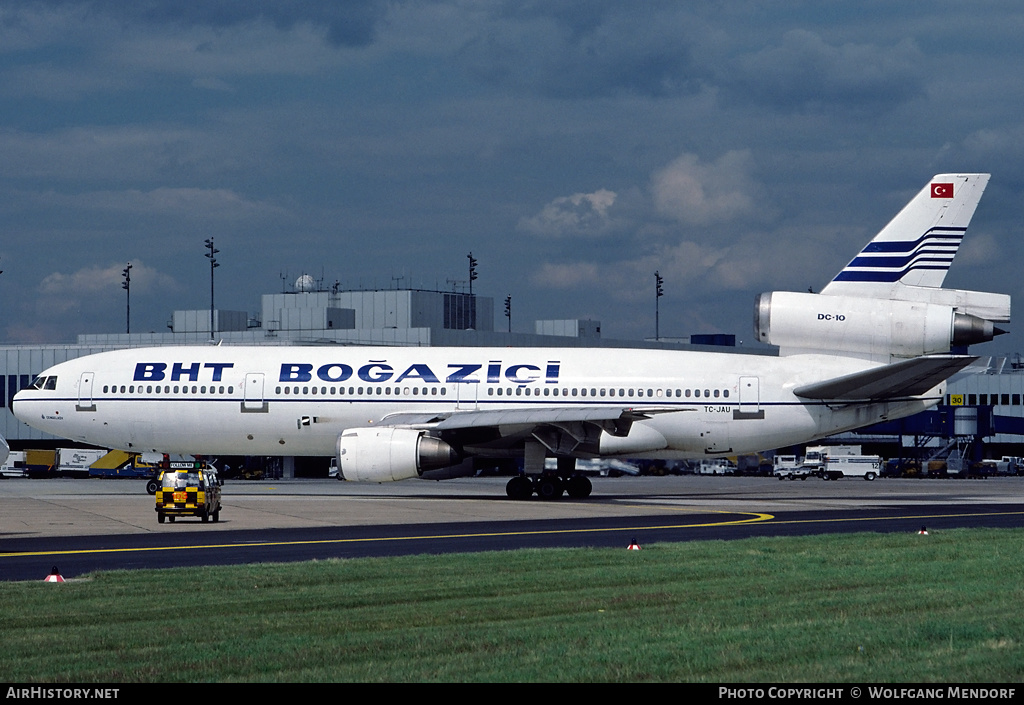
[(550, 488), (579, 487), (519, 487)]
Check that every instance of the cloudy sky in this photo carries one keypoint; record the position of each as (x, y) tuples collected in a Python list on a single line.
[(573, 147)]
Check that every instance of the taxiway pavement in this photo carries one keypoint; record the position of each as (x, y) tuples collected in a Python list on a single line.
[(82, 507)]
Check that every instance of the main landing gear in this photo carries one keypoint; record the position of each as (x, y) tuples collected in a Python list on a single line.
[(549, 486)]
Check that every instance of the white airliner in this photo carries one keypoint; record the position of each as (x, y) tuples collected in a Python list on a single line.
[(874, 345)]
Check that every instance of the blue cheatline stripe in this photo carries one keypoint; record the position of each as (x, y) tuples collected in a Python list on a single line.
[(936, 233), (681, 404), (934, 250), (902, 262), (882, 276)]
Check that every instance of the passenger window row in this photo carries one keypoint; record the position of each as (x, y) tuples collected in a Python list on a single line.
[(434, 390), (513, 391), (168, 389)]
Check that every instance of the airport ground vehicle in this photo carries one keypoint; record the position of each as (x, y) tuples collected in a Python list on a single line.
[(867, 466), (828, 463), (789, 467), (191, 491), (1008, 465), (40, 463), (834, 462), (75, 462), (716, 466), (14, 466)]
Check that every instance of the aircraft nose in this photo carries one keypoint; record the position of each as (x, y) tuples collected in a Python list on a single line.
[(18, 408), (15, 406)]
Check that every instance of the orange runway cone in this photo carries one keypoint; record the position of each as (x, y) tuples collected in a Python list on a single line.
[(922, 532), (54, 576), (634, 546)]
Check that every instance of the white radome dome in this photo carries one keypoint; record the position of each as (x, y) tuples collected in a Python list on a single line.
[(305, 283)]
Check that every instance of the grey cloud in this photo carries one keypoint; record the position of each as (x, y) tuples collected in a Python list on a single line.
[(803, 71), (349, 23), (583, 52)]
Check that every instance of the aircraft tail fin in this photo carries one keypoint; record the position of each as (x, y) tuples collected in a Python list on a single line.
[(917, 247), (888, 302)]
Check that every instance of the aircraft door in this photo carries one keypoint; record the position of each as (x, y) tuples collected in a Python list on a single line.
[(715, 436), (466, 395), (750, 399), (85, 402), (253, 400)]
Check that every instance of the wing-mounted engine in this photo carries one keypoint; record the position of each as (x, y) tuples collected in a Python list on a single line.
[(867, 327), (388, 454)]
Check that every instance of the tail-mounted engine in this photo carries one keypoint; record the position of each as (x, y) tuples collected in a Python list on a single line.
[(388, 454), (864, 326)]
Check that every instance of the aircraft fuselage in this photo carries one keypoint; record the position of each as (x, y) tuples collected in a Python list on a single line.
[(297, 400)]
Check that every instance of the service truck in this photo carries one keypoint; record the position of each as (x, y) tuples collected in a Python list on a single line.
[(75, 462), (789, 467), (834, 462), (14, 466)]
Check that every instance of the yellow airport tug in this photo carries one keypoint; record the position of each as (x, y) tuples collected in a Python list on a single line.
[(191, 491)]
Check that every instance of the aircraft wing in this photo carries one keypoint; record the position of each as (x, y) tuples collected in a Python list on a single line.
[(906, 378), (475, 418)]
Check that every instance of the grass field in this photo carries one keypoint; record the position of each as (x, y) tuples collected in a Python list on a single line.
[(850, 608)]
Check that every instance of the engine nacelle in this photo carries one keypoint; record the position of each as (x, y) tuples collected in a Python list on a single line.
[(388, 454), (864, 326)]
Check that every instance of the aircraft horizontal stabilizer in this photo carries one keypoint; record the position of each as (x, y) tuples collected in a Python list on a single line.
[(907, 378)]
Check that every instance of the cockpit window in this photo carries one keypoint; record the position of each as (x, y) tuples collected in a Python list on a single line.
[(49, 382)]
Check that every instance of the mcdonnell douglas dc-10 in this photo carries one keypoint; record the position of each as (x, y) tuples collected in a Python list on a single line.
[(878, 342)]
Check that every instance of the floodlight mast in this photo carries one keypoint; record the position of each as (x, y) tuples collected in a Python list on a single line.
[(213, 265), (658, 293), (472, 271), (127, 286)]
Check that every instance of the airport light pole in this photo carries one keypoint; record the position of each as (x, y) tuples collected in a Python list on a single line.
[(127, 286), (213, 266), (658, 293), (472, 271)]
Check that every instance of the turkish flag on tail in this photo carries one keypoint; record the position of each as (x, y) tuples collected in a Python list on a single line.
[(942, 190)]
